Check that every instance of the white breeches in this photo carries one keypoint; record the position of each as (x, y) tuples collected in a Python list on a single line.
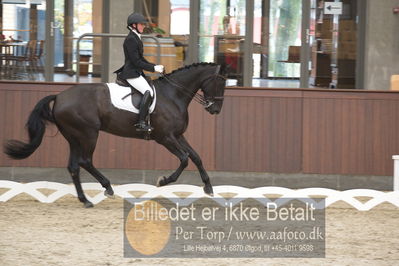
[(141, 85)]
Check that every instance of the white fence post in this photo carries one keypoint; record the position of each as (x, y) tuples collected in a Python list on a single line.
[(395, 172)]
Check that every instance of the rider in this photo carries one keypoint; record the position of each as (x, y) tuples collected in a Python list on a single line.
[(135, 63)]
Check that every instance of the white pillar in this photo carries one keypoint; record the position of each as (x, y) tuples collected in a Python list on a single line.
[(395, 172)]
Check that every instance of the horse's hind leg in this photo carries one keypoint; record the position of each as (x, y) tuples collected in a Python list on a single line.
[(87, 164), (198, 162), (74, 170), (82, 147), (88, 145), (73, 166), (174, 147)]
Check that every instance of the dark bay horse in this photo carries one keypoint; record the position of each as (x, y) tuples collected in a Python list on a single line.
[(81, 111)]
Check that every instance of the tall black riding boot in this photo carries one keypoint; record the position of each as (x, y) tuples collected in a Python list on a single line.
[(143, 112)]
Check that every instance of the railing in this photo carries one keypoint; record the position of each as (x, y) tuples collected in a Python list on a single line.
[(109, 35), (310, 195)]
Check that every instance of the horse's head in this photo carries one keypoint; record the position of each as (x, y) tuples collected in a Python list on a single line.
[(213, 90)]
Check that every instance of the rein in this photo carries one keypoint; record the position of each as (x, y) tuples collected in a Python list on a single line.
[(196, 96)]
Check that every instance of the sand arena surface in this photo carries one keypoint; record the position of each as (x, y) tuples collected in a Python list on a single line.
[(64, 233)]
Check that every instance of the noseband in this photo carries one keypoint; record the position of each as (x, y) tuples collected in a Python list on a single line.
[(211, 101), (196, 96)]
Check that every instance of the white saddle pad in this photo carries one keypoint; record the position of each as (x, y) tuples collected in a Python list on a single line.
[(118, 92)]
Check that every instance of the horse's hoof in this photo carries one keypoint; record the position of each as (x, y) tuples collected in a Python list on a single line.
[(161, 181), (109, 194), (208, 190), (88, 204)]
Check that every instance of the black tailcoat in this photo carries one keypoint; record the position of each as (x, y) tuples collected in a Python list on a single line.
[(135, 62)]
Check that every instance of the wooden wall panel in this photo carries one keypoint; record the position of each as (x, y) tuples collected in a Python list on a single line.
[(350, 136), (260, 134), (19, 100), (259, 130)]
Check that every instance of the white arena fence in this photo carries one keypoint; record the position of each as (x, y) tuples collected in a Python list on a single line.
[(278, 195)]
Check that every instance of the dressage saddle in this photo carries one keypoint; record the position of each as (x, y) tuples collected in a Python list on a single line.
[(136, 95)]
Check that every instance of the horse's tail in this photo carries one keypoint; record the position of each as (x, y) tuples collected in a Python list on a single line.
[(36, 126)]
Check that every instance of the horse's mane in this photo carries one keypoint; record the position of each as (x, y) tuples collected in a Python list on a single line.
[(188, 67)]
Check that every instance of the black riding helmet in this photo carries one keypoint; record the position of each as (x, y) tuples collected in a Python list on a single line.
[(135, 18)]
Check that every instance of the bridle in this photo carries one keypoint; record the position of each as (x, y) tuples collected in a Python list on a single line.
[(206, 102)]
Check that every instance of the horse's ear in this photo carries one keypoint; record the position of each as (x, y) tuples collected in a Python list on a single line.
[(224, 69)]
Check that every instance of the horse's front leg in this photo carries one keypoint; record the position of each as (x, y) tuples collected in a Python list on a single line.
[(198, 162), (177, 149)]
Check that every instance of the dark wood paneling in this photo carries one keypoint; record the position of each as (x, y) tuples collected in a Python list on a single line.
[(260, 130), (350, 136), (260, 134)]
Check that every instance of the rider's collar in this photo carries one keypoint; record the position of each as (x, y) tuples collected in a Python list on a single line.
[(138, 34)]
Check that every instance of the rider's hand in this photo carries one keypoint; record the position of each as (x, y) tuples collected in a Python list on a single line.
[(159, 68)]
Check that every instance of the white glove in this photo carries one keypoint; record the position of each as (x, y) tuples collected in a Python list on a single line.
[(159, 68)]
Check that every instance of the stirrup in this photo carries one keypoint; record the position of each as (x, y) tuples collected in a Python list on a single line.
[(142, 126)]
